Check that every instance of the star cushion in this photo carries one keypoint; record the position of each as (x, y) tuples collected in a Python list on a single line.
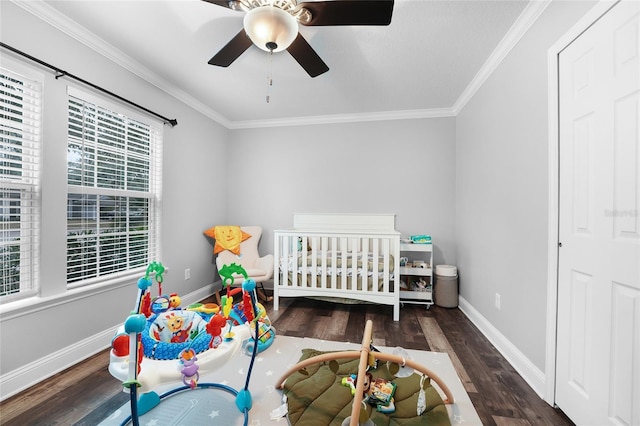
[(228, 237)]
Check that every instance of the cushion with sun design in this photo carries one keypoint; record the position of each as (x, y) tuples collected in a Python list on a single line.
[(228, 237)]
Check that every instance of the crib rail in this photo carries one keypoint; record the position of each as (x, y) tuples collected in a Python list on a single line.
[(350, 265)]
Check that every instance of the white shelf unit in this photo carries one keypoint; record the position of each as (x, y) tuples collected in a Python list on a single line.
[(420, 253)]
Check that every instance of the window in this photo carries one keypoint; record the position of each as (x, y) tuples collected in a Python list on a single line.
[(114, 187), (20, 103)]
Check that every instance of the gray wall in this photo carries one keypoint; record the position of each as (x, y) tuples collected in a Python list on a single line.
[(406, 167), (191, 181), (501, 187)]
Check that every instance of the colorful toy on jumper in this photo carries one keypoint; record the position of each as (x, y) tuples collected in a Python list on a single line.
[(246, 311), (159, 336)]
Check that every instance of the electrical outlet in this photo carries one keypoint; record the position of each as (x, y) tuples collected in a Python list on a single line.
[(187, 273), (498, 300)]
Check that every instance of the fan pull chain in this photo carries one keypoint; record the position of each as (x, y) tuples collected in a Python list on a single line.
[(270, 76)]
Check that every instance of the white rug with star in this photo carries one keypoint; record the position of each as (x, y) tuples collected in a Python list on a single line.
[(217, 407)]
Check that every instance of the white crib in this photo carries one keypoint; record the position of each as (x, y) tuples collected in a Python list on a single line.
[(342, 257)]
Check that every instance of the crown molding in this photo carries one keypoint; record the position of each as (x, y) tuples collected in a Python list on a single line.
[(344, 118), (529, 15), (48, 14), (81, 34)]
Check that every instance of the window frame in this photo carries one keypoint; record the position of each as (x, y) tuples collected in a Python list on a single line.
[(30, 183), (153, 195)]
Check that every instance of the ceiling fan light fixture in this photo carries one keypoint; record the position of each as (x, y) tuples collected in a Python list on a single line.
[(270, 28)]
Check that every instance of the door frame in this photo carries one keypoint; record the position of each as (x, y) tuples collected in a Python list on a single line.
[(593, 15)]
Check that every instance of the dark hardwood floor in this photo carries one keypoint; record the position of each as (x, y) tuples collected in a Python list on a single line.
[(86, 393)]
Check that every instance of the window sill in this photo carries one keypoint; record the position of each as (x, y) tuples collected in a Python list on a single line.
[(28, 305)]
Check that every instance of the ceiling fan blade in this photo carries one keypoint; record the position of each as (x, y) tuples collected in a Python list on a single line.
[(349, 12), (307, 57), (232, 50), (223, 3)]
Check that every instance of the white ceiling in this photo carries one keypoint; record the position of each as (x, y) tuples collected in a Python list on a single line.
[(422, 64)]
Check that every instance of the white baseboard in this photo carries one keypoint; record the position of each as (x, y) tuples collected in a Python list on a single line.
[(18, 380), (30, 374), (529, 372)]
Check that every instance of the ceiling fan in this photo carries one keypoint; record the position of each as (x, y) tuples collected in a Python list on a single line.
[(272, 25)]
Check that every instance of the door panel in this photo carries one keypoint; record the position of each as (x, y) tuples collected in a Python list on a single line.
[(598, 346), (580, 332), (625, 362)]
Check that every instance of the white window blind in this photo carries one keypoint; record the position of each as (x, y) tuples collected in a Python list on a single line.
[(20, 116), (114, 164)]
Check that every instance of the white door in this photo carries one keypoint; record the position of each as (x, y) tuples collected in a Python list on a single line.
[(598, 346)]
